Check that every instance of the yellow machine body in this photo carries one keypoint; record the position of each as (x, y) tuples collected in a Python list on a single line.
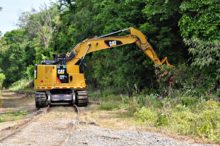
[(46, 78)]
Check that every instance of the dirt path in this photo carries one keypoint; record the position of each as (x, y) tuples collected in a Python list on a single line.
[(60, 126)]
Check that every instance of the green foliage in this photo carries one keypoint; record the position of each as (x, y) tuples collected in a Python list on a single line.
[(30, 72), (108, 106), (39, 28), (146, 115), (189, 101), (192, 81), (20, 84), (161, 24), (200, 19), (199, 26), (2, 78), (206, 56), (162, 119), (185, 116), (13, 56), (181, 120), (11, 116), (133, 106)]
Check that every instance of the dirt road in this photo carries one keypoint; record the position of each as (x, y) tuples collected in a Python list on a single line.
[(62, 126)]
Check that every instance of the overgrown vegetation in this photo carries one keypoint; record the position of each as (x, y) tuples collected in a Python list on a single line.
[(11, 116), (184, 115), (23, 84)]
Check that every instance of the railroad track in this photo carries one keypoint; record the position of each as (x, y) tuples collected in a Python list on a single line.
[(17, 128), (35, 116)]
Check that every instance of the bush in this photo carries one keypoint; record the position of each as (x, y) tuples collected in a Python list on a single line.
[(207, 124), (180, 120), (146, 115), (21, 84), (186, 115), (153, 101), (189, 101), (2, 78), (162, 119)]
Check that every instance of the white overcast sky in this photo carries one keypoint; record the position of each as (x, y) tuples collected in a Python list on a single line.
[(12, 9)]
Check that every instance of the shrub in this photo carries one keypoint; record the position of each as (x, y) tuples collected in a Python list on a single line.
[(207, 124), (153, 101), (162, 119), (188, 100), (180, 120), (208, 105), (146, 115), (21, 84)]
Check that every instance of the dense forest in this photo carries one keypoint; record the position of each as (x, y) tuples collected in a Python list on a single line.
[(185, 31)]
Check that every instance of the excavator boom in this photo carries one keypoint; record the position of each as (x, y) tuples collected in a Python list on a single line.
[(110, 41)]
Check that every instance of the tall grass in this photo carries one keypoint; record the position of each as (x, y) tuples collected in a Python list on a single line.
[(198, 118), (185, 115), (21, 85)]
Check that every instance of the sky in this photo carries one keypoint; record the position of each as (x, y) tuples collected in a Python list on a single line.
[(12, 9)]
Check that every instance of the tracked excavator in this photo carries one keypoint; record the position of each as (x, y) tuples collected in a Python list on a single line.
[(60, 80)]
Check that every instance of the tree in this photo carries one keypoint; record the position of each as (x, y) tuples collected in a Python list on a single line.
[(200, 19), (199, 27), (12, 57), (161, 25), (39, 27)]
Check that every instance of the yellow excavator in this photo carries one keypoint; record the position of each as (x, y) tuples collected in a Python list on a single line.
[(61, 81)]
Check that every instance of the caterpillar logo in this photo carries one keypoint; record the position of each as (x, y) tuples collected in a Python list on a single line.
[(112, 43), (60, 71), (62, 75)]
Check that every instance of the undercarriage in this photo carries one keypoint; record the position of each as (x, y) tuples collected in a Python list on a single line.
[(61, 96)]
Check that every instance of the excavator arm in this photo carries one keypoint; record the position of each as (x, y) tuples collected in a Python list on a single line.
[(109, 41)]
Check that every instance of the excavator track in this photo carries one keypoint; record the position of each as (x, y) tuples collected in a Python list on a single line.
[(40, 100), (82, 98)]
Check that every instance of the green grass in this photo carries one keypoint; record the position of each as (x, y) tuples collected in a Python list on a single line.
[(108, 106), (21, 85), (198, 119), (12, 116), (185, 115)]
